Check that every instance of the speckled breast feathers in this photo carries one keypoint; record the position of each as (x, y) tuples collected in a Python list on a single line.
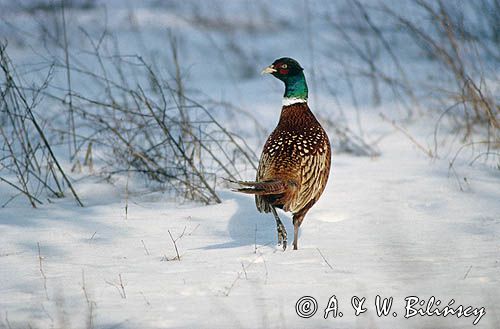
[(297, 154)]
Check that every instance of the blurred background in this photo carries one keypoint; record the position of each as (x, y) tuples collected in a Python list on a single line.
[(120, 119), (161, 87)]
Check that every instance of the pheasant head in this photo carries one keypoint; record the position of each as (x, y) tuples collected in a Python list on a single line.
[(291, 73)]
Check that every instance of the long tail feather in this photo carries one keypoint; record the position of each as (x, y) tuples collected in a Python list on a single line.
[(261, 188)]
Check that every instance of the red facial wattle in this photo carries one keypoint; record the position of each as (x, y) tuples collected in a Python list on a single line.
[(283, 71)]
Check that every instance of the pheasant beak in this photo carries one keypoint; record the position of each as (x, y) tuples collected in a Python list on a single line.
[(269, 69)]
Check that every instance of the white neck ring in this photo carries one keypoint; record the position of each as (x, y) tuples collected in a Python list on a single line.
[(292, 100)]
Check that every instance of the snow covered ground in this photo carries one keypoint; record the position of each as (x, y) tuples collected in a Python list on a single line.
[(391, 226), (397, 225)]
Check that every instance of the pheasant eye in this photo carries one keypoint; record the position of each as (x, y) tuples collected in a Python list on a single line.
[(284, 66)]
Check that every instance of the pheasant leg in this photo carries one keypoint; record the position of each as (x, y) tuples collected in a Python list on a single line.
[(280, 228), (295, 234)]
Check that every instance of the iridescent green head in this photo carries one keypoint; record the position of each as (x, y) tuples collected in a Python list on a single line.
[(291, 73)]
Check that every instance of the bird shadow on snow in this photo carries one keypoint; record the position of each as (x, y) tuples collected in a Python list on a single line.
[(247, 226)]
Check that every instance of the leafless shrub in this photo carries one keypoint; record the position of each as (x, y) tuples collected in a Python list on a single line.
[(162, 133), (363, 37), (119, 285), (42, 272), (174, 241), (224, 31), (347, 141), (27, 160), (51, 5), (91, 305), (129, 119), (459, 71), (449, 43)]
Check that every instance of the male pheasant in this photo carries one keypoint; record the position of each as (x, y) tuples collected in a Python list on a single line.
[(295, 162)]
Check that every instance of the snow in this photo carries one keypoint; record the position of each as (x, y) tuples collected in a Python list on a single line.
[(397, 225), (391, 226)]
